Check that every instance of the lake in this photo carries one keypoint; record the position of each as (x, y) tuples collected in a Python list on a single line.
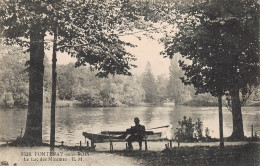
[(71, 122)]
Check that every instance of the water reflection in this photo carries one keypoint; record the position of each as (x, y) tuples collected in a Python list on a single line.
[(148, 115), (71, 122), (11, 123)]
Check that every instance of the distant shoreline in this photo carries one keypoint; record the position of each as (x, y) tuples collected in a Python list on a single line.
[(75, 103)]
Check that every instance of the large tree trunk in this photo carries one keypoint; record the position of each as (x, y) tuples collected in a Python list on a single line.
[(33, 131), (238, 132)]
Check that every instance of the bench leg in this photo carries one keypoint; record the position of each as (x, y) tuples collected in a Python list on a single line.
[(93, 143), (145, 143), (111, 146)]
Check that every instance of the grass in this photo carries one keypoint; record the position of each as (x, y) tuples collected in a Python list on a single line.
[(242, 155)]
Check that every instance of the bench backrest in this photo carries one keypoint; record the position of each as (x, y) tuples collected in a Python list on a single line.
[(123, 132)]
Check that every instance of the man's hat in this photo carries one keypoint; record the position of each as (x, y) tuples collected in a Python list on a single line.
[(136, 118)]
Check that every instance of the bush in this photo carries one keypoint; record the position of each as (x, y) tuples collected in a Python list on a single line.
[(202, 100), (188, 131), (207, 132), (199, 129), (90, 97), (7, 100)]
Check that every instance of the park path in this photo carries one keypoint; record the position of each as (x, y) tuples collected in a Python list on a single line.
[(16, 155)]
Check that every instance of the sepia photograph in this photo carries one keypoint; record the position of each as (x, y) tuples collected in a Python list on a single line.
[(129, 83)]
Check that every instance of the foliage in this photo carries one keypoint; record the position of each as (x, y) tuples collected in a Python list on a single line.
[(108, 94), (199, 129), (73, 82), (88, 33), (85, 31), (93, 91), (175, 86), (65, 81), (133, 93), (161, 83), (199, 156), (7, 100), (14, 78), (222, 43), (149, 85), (189, 131), (202, 100), (90, 97), (207, 133), (209, 36), (185, 130)]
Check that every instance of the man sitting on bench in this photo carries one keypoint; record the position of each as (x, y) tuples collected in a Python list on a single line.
[(137, 134)]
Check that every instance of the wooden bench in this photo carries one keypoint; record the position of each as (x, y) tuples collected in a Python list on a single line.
[(114, 136)]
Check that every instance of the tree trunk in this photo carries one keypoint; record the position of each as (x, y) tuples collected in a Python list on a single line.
[(53, 96), (33, 131), (238, 132), (221, 139)]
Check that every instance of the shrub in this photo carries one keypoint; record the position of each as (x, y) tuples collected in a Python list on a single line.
[(188, 131), (90, 97), (7, 100), (207, 132), (199, 129)]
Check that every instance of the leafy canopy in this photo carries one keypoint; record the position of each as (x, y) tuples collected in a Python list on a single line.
[(87, 30), (220, 38)]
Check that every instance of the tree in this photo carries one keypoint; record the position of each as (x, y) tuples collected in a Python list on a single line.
[(27, 20), (175, 86), (54, 86), (90, 37), (149, 85), (91, 97), (221, 40), (132, 93), (85, 32), (162, 90), (66, 81), (14, 76)]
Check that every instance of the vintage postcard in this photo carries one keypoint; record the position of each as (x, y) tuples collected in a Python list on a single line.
[(129, 82)]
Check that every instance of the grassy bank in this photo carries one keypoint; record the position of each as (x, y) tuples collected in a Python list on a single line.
[(231, 155), (64, 103), (201, 103), (242, 155)]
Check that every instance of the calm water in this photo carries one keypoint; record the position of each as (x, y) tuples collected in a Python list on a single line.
[(71, 122)]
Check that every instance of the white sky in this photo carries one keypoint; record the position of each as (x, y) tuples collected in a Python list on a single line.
[(146, 50)]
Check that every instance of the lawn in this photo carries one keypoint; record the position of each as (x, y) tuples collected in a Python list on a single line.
[(241, 155)]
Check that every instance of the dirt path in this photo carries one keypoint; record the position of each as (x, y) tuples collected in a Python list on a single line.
[(38, 155)]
